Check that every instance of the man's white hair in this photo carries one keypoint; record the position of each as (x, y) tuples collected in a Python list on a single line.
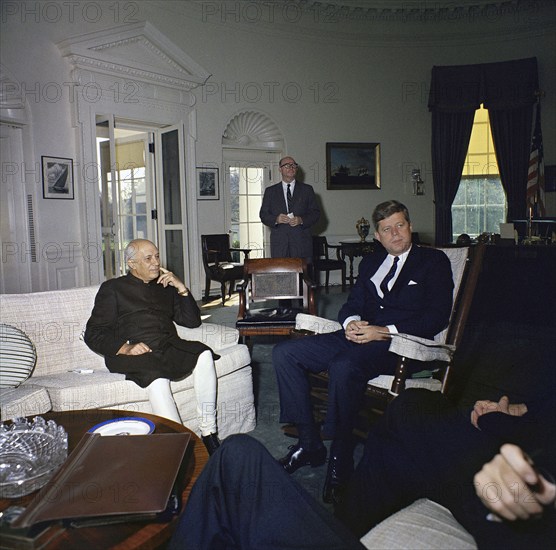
[(130, 251)]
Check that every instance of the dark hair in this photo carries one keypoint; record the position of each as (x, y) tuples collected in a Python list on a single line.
[(386, 209)]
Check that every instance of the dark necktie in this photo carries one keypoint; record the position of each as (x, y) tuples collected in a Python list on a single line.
[(389, 276), (289, 198)]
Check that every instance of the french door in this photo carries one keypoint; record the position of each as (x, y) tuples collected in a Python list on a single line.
[(141, 191)]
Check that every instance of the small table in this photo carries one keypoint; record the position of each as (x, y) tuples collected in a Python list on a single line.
[(353, 248), (122, 535)]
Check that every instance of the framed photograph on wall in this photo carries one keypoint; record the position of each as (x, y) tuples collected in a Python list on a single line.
[(353, 165), (57, 178), (207, 184)]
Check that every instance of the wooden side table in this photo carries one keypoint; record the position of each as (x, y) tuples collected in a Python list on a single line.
[(353, 248), (142, 534)]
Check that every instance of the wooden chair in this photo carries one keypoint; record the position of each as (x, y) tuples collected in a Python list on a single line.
[(323, 262), (218, 263), (275, 279), (436, 355)]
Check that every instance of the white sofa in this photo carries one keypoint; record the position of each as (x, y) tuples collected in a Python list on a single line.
[(55, 321)]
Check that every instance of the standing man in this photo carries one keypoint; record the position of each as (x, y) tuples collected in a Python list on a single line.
[(132, 325), (290, 209), (400, 288)]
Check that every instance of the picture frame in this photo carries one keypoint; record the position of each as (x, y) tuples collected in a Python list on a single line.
[(207, 184), (352, 165), (57, 178)]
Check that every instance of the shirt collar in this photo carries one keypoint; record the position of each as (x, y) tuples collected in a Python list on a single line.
[(402, 257)]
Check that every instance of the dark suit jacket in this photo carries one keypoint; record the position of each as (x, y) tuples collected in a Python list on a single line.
[(287, 241), (127, 309), (420, 301)]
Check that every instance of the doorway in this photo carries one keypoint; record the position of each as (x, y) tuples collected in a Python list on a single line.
[(141, 196)]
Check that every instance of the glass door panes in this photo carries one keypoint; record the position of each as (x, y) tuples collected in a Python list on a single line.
[(246, 192)]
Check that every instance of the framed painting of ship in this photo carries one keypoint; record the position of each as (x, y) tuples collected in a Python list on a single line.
[(57, 178), (353, 165)]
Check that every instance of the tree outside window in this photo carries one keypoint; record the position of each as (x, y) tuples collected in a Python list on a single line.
[(480, 203)]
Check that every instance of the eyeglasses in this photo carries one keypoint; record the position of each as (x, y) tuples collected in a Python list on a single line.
[(289, 165)]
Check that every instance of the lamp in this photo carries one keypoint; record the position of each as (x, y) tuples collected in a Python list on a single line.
[(418, 183)]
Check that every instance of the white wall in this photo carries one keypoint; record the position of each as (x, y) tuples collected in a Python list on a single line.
[(327, 85)]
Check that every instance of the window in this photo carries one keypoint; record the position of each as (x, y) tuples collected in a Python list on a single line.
[(246, 192), (480, 203)]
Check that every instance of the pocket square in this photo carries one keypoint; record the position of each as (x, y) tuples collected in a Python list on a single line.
[(411, 283)]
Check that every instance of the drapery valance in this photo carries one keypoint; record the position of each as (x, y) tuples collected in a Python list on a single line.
[(503, 85)]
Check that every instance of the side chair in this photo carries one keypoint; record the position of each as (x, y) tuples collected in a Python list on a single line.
[(323, 262), (282, 281), (219, 265)]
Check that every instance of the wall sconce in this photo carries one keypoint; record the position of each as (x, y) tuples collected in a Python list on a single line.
[(418, 183)]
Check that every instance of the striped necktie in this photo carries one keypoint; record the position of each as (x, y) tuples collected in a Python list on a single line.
[(289, 198), (389, 276)]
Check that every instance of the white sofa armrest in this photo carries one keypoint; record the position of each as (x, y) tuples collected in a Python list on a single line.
[(213, 335), (420, 349), (320, 325)]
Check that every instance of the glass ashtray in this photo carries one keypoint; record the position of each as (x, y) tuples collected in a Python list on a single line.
[(31, 451)]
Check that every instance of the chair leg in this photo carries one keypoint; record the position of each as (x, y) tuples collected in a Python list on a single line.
[(231, 288), (343, 279), (207, 288), (327, 279), (223, 291)]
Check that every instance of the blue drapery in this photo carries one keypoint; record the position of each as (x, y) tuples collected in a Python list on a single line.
[(508, 90)]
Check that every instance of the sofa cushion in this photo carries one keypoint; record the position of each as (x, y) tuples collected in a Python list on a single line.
[(25, 400), (103, 389), (421, 525), (53, 321)]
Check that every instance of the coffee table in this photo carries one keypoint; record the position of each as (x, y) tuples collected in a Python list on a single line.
[(122, 535)]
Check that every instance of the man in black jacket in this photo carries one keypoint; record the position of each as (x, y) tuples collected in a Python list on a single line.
[(132, 326)]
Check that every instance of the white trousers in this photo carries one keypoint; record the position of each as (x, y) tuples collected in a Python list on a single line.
[(204, 385)]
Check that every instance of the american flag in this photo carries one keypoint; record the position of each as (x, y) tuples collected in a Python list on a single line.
[(535, 177)]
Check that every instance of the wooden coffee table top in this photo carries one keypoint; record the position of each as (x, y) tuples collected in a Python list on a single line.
[(122, 535)]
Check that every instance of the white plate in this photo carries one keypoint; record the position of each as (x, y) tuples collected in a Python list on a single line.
[(129, 425)]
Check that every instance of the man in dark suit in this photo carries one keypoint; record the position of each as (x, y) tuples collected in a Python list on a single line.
[(290, 209), (400, 288)]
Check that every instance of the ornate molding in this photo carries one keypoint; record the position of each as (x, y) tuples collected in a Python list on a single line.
[(123, 71), (137, 51), (252, 129)]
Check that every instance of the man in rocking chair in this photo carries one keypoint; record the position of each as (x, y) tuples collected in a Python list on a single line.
[(401, 288)]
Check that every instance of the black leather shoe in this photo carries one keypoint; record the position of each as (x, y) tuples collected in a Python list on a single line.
[(211, 442), (340, 468), (298, 457)]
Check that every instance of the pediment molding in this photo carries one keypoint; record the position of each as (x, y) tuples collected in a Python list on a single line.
[(138, 51)]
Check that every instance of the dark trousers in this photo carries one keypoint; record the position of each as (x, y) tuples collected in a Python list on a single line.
[(349, 368), (245, 500)]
